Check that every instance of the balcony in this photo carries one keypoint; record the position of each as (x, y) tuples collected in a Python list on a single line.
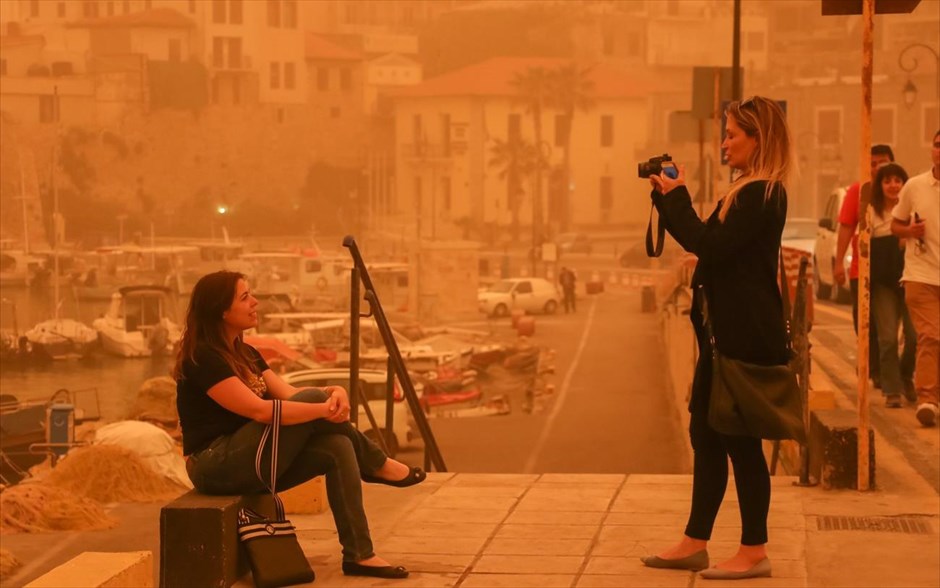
[(233, 63), (432, 152)]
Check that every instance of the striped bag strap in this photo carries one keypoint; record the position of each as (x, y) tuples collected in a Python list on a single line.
[(274, 432)]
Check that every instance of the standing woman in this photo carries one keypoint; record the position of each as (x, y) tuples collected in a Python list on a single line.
[(887, 295), (738, 250), (224, 392)]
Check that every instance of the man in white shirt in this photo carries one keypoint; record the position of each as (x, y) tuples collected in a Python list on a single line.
[(917, 218)]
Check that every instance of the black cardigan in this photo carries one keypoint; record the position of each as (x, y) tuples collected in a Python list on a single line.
[(737, 265)]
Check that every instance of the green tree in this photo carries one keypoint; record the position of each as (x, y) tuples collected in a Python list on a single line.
[(573, 91), (535, 87)]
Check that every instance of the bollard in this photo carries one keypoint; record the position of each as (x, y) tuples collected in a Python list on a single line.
[(648, 298)]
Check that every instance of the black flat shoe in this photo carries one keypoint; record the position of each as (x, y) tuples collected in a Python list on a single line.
[(415, 476), (391, 572)]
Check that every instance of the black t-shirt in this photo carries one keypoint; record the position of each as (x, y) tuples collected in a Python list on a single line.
[(202, 419)]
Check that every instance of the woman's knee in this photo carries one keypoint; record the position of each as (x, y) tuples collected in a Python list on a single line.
[(311, 395)]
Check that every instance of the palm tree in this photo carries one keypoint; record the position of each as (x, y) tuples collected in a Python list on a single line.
[(535, 87), (515, 159), (572, 91)]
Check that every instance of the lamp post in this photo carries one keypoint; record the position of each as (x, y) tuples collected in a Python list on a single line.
[(910, 90)]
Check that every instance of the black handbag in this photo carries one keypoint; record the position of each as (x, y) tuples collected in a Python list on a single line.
[(887, 261), (762, 401), (274, 553)]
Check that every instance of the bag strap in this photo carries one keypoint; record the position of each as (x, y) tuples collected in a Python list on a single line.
[(274, 432), (660, 236)]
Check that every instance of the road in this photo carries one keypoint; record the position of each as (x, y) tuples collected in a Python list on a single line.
[(612, 411)]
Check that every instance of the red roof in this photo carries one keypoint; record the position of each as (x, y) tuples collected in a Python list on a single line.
[(158, 18), (494, 76), (317, 47)]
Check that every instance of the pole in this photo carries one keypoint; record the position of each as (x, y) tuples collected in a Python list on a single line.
[(864, 240), (736, 53)]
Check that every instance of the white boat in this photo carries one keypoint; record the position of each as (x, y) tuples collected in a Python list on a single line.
[(62, 338), (137, 324)]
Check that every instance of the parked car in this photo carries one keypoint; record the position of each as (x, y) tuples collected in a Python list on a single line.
[(527, 294), (573, 243), (800, 233), (372, 384), (824, 259)]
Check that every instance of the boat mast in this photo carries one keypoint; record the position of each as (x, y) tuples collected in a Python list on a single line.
[(55, 208)]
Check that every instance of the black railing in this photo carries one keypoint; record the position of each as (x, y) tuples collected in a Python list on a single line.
[(395, 366)]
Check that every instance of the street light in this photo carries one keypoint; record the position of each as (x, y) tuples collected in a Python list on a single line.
[(910, 90)]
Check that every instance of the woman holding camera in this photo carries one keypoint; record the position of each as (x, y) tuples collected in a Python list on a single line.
[(738, 248)]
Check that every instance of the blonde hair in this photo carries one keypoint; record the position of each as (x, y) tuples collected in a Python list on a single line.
[(771, 161)]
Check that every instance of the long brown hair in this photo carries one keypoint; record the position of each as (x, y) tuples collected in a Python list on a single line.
[(212, 295), (771, 161), (888, 170)]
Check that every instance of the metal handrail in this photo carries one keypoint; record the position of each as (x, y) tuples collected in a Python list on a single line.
[(432, 453)]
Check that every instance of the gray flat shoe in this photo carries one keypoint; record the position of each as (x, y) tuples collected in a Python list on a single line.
[(695, 562), (760, 570)]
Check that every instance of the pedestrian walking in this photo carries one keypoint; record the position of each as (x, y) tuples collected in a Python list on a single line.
[(224, 396), (917, 218), (848, 225), (888, 309), (738, 249), (568, 281)]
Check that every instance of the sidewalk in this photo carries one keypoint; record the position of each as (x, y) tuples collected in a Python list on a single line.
[(586, 530)]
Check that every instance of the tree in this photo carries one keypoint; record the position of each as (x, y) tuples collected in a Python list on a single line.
[(535, 87), (515, 159), (572, 91)]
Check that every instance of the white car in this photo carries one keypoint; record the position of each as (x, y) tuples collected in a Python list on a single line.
[(527, 294), (372, 384), (827, 235)]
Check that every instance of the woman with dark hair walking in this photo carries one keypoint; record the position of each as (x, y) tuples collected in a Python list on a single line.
[(888, 310), (224, 397)]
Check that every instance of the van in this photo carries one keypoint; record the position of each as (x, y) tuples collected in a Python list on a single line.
[(527, 294), (824, 259)]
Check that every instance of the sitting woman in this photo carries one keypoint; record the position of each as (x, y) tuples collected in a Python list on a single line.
[(224, 392)]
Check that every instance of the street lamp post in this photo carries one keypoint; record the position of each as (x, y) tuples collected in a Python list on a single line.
[(910, 90)]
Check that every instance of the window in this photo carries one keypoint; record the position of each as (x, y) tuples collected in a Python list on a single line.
[(218, 52), (235, 11), (882, 125), (175, 50), (192, 6), (418, 194), (524, 288), (34, 8), (514, 128), (126, 6), (931, 118), (3, 67), (828, 126), (47, 110), (235, 53), (445, 193), (417, 134), (110, 6), (60, 10), (289, 14), (633, 44), (608, 43), (275, 81), (289, 78), (89, 9), (607, 130), (345, 79), (445, 136), (335, 112), (561, 130), (607, 195), (312, 266), (148, 4), (218, 11), (274, 13), (323, 79)]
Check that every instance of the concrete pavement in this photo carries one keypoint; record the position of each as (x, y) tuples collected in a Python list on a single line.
[(587, 530)]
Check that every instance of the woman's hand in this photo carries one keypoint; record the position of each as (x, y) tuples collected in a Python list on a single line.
[(664, 184), (337, 404)]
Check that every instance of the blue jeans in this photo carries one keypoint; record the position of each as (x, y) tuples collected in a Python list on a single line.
[(888, 312), (305, 450)]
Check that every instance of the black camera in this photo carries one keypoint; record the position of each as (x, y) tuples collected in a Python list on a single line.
[(655, 166)]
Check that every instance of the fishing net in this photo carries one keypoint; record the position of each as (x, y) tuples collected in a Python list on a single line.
[(8, 564), (38, 508), (109, 473)]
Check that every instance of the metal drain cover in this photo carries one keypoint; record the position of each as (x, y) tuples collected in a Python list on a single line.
[(911, 525)]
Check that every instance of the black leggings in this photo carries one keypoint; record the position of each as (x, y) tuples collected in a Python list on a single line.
[(710, 478)]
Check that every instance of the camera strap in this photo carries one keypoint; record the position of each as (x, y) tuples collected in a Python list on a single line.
[(660, 236)]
